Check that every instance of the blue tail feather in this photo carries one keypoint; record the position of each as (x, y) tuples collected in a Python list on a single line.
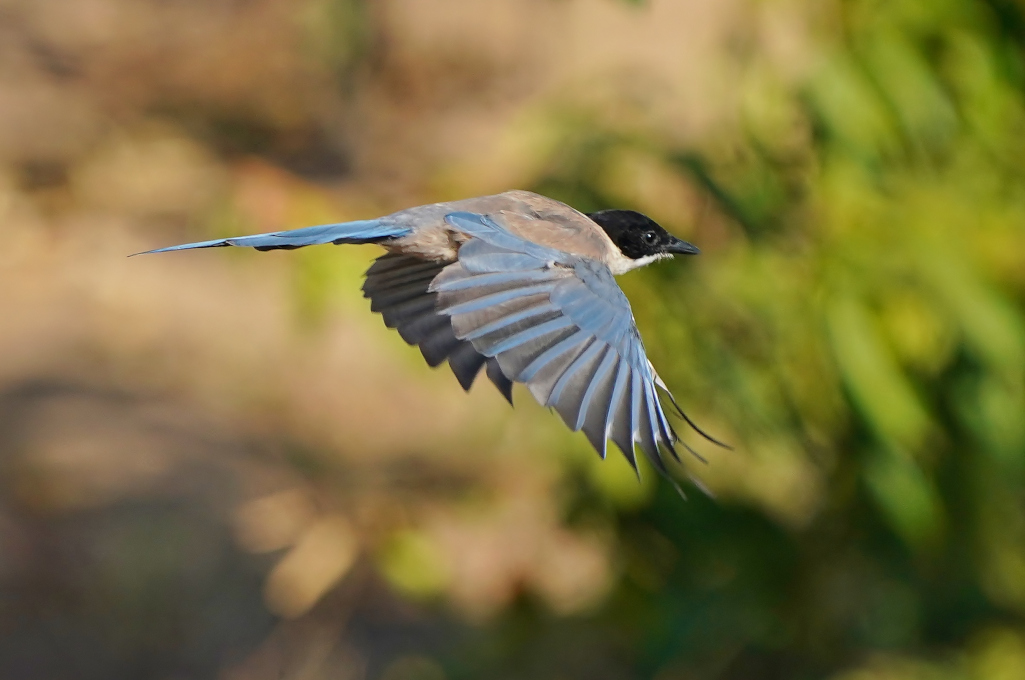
[(362, 231)]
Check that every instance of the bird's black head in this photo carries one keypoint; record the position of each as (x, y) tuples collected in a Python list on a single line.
[(638, 236)]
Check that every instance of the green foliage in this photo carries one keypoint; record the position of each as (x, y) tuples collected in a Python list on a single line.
[(855, 328), (863, 320)]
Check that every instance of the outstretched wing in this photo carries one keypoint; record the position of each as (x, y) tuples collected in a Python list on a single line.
[(561, 325)]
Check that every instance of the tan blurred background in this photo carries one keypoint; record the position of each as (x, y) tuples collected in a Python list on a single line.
[(221, 465)]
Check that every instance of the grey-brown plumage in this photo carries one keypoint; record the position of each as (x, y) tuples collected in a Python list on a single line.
[(530, 216)]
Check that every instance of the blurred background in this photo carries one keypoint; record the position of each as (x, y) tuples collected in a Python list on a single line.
[(220, 465)]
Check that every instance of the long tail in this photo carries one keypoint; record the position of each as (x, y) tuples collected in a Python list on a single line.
[(362, 231)]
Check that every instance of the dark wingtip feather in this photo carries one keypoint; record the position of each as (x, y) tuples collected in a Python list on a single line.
[(691, 451), (693, 426), (503, 383), (597, 440), (437, 346), (465, 363), (671, 445), (669, 436)]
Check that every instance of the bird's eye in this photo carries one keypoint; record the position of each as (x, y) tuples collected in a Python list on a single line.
[(649, 237)]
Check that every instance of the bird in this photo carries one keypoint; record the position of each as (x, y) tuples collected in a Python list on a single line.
[(523, 287)]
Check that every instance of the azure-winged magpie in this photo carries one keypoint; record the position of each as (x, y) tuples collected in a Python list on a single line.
[(523, 286)]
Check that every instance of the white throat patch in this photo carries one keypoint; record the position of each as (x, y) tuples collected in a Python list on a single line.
[(620, 264)]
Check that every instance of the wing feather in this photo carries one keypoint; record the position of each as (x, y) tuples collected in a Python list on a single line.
[(437, 346), (503, 280), (497, 376), (503, 322), (389, 281), (622, 431), (545, 359), (466, 363), (513, 362), (485, 301), (606, 399), (557, 359), (416, 329), (569, 389), (399, 313), (668, 435), (467, 323), (390, 297), (595, 384), (530, 333), (651, 435)]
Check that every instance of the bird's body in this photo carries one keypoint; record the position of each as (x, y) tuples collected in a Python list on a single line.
[(521, 285), (530, 216)]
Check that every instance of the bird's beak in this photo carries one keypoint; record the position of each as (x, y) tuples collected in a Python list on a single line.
[(678, 246)]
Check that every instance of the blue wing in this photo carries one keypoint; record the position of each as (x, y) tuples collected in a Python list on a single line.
[(561, 325)]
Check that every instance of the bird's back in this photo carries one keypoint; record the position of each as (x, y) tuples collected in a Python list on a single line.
[(529, 216)]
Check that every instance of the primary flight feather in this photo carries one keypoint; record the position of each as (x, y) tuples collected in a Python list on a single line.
[(522, 286)]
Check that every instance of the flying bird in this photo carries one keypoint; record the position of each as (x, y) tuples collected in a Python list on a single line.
[(521, 286)]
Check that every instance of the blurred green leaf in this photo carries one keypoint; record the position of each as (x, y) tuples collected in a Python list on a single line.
[(907, 499), (878, 386)]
